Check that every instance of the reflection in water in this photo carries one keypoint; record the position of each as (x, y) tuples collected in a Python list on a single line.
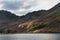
[(30, 37), (6, 38)]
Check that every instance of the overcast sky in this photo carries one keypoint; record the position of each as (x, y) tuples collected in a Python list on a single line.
[(21, 7)]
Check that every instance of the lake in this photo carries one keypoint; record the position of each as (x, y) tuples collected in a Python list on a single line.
[(29, 36)]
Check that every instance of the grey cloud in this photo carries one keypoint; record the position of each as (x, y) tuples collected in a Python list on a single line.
[(15, 5), (9, 5)]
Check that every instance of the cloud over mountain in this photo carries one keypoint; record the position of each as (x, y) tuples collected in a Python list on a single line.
[(21, 7)]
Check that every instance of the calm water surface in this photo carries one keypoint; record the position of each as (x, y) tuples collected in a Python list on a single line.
[(29, 36)]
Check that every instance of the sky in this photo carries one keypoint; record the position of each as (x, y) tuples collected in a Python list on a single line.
[(22, 7)]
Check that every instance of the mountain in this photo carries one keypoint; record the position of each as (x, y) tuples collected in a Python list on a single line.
[(32, 15), (42, 21), (6, 16), (47, 21)]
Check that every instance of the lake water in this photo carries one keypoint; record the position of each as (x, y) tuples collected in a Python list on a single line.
[(29, 36)]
